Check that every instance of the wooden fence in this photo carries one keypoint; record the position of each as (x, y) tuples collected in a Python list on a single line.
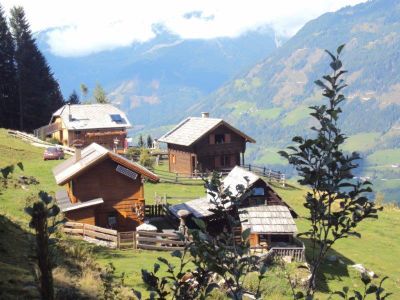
[(196, 178), (157, 210), (94, 234), (125, 240)]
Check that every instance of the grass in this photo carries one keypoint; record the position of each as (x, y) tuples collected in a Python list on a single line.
[(270, 157), (361, 141), (296, 115), (384, 157), (376, 250)]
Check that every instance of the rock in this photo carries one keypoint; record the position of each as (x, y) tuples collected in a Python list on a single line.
[(360, 268)]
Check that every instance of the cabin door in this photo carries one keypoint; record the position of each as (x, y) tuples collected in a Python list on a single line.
[(194, 164)]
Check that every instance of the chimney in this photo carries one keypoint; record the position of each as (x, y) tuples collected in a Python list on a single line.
[(205, 114), (78, 149), (69, 112)]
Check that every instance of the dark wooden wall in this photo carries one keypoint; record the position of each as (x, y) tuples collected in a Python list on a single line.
[(119, 192), (269, 198), (92, 136), (208, 153)]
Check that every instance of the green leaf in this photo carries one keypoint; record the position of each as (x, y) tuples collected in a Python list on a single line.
[(340, 48), (176, 253), (246, 234), (200, 223), (156, 268)]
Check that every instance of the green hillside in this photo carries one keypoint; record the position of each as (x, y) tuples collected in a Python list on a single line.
[(270, 101), (376, 250)]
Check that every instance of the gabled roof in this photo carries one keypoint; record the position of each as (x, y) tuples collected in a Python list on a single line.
[(91, 116), (271, 219), (91, 155), (192, 129), (239, 176)]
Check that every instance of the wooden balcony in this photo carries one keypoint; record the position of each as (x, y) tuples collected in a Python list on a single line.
[(44, 131)]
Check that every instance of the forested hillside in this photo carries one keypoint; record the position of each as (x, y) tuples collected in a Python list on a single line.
[(271, 100)]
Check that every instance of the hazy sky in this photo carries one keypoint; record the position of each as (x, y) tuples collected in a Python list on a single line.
[(80, 27)]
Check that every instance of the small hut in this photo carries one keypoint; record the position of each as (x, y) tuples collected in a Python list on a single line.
[(102, 189)]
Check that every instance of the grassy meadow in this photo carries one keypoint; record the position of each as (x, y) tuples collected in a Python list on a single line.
[(377, 250)]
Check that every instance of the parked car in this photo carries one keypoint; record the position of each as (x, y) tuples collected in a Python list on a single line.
[(53, 153)]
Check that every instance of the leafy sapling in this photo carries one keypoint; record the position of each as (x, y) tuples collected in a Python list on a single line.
[(336, 202), (43, 215)]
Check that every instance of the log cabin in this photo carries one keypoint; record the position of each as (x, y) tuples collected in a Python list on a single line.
[(203, 144), (103, 124), (102, 189), (269, 217)]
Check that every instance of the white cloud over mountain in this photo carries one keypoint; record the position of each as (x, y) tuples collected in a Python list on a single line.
[(76, 28)]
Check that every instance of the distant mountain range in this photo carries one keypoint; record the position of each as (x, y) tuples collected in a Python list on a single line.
[(156, 81), (270, 101)]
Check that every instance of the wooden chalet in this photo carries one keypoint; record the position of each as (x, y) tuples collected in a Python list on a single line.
[(103, 124), (270, 219), (102, 189), (204, 144)]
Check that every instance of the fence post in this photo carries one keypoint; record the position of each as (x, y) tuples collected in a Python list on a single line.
[(249, 167), (165, 198), (134, 240), (118, 240), (176, 177), (83, 230)]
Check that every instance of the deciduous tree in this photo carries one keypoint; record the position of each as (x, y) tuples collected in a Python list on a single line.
[(336, 202)]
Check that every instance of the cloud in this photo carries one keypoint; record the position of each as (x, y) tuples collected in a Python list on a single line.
[(77, 28)]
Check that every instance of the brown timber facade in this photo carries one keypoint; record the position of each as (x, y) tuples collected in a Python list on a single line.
[(215, 146), (107, 192)]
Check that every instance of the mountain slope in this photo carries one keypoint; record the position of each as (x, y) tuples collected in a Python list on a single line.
[(270, 101)]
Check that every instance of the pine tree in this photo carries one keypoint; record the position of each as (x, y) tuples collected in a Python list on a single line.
[(73, 98), (140, 141), (99, 95), (8, 96), (149, 141), (38, 92), (84, 91)]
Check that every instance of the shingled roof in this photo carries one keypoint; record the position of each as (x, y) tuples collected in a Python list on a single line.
[(91, 155), (268, 219), (192, 129), (91, 116)]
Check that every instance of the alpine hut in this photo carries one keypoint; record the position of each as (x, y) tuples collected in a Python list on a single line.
[(102, 188), (201, 144)]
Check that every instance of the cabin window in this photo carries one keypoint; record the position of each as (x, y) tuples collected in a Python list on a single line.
[(258, 191), (173, 158), (225, 160), (220, 138), (112, 220)]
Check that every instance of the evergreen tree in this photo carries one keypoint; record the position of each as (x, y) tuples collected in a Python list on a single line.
[(149, 141), (8, 96), (140, 142), (38, 92), (84, 91), (73, 98), (99, 95)]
